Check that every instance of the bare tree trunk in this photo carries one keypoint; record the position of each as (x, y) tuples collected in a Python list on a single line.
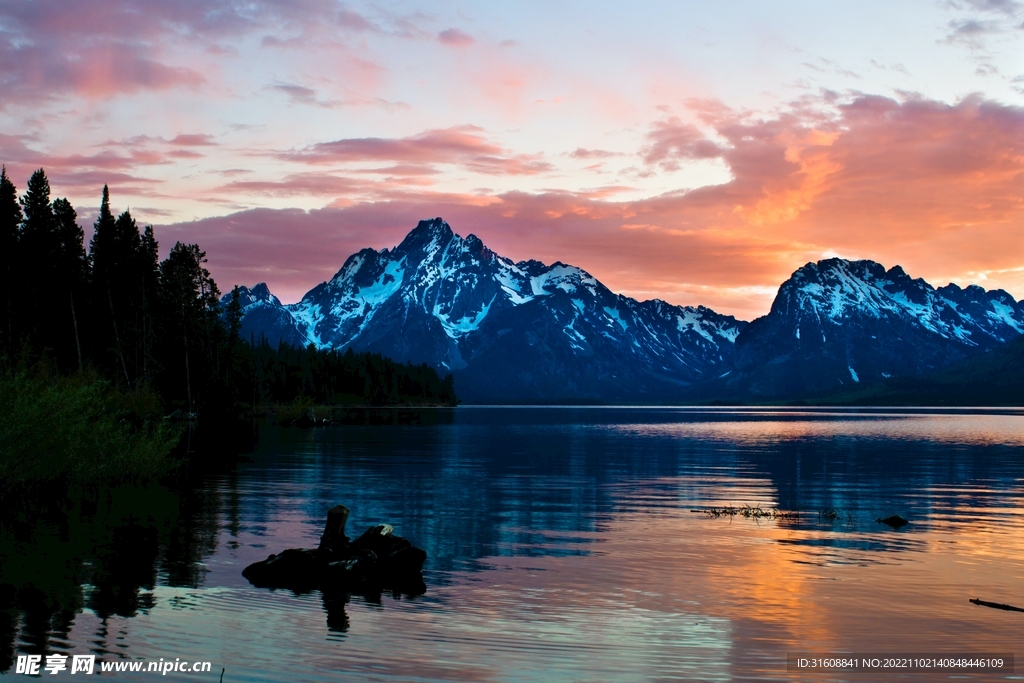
[(74, 320), (10, 314), (188, 378), (117, 337), (145, 347)]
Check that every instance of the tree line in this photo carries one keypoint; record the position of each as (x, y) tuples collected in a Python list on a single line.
[(155, 326)]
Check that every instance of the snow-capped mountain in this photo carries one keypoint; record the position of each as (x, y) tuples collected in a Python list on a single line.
[(836, 324), (533, 332), (509, 331)]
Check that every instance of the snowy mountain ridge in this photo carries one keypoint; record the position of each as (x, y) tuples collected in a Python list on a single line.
[(840, 289), (838, 323), (453, 303), (529, 331)]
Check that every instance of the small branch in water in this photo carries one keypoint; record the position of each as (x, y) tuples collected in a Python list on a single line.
[(996, 605), (749, 512), (829, 515)]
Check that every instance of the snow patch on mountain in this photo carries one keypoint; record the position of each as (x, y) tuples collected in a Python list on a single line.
[(452, 302)]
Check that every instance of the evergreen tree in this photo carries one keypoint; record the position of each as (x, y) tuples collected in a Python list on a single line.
[(195, 337), (39, 248), (10, 219), (233, 315), (116, 251), (71, 269), (148, 264)]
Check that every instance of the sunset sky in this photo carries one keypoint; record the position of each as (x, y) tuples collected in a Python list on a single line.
[(696, 152)]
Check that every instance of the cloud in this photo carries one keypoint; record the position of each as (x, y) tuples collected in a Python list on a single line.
[(453, 37), (120, 162), (933, 186), (297, 94), (581, 153), (34, 72), (980, 20), (971, 32), (672, 141), (1007, 7), (192, 140), (464, 146), (50, 49)]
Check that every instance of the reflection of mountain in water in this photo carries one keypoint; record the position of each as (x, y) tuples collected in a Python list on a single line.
[(497, 483), (546, 482)]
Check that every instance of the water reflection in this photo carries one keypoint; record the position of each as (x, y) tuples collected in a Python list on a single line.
[(560, 546), (102, 551)]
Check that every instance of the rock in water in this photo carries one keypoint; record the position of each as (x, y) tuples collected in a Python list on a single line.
[(376, 561), (895, 521), (334, 533), (297, 568)]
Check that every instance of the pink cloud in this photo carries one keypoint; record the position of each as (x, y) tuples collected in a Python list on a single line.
[(453, 37), (36, 72), (462, 145), (935, 187), (192, 140), (581, 153), (673, 141), (52, 48)]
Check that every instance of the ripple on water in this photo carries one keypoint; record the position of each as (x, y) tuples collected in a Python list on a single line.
[(562, 546)]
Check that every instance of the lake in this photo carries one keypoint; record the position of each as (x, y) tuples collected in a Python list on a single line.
[(564, 544)]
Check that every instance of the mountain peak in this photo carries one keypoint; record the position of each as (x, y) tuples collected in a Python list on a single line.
[(259, 293), (433, 231)]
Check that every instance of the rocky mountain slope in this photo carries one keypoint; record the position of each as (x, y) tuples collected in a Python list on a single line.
[(508, 331), (531, 332), (836, 324)]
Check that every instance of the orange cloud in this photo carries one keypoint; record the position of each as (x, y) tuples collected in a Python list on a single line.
[(935, 187)]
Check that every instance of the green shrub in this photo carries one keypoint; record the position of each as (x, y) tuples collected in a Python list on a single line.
[(78, 430)]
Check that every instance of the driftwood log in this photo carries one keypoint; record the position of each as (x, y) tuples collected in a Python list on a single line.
[(376, 561), (996, 605)]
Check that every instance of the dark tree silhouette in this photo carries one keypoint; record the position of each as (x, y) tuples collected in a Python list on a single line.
[(157, 328), (70, 269), (10, 220), (38, 252)]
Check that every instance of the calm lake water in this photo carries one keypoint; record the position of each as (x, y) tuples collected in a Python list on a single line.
[(562, 546)]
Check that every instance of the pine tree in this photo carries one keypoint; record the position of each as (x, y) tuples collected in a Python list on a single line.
[(39, 248), (148, 265), (10, 219), (113, 250), (191, 298), (233, 315), (71, 267)]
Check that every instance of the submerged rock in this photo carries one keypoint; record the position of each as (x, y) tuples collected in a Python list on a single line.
[(895, 521), (376, 561)]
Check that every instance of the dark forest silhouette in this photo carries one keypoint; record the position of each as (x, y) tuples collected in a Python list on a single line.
[(147, 325)]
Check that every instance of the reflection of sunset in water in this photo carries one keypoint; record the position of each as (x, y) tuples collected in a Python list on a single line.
[(564, 545), (945, 428)]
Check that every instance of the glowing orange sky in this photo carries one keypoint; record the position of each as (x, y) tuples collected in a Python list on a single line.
[(700, 165)]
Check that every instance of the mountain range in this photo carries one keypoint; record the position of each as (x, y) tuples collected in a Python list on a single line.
[(530, 332)]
